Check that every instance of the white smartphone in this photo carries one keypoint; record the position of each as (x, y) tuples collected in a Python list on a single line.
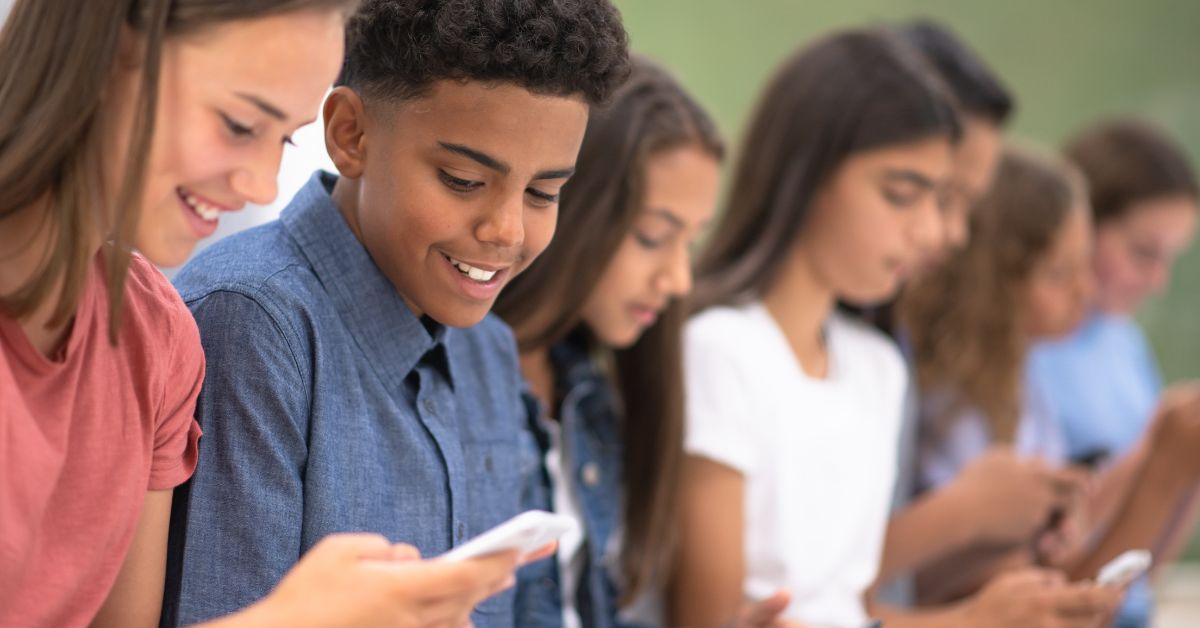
[(524, 533), (1125, 568)]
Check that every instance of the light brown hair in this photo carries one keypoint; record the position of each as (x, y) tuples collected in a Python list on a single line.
[(56, 60), (965, 318)]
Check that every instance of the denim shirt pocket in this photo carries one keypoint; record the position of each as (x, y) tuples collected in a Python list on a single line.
[(495, 487)]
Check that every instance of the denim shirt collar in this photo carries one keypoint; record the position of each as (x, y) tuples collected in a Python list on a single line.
[(384, 328)]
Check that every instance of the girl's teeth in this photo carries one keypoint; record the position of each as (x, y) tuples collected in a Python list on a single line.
[(202, 209)]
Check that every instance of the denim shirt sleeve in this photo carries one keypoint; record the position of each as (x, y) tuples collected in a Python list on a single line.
[(244, 506)]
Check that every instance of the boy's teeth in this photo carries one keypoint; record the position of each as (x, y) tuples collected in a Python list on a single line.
[(477, 274)]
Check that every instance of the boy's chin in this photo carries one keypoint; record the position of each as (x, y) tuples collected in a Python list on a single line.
[(460, 316)]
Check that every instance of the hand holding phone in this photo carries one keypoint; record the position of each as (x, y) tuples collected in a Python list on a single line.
[(525, 533), (1125, 568)]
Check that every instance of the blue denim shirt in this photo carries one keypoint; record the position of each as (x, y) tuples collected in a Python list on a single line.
[(330, 407), (591, 441)]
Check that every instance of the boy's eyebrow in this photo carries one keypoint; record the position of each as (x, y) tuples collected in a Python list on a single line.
[(561, 173), (483, 158), (499, 166), (911, 176), (267, 108)]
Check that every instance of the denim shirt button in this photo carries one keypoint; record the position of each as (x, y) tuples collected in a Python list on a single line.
[(487, 464), (548, 583), (430, 407), (591, 475), (462, 530)]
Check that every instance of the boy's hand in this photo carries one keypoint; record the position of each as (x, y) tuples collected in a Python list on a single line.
[(363, 580)]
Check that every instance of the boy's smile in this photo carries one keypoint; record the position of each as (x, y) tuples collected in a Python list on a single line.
[(455, 192)]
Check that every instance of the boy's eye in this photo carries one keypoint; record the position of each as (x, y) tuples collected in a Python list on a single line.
[(542, 199), (237, 129), (457, 184)]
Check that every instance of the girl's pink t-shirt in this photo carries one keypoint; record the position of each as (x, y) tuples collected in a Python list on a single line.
[(83, 437)]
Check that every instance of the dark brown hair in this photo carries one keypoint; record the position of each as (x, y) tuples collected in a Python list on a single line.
[(849, 92), (965, 317), (978, 89), (395, 49), (650, 114), (56, 60), (1127, 161)]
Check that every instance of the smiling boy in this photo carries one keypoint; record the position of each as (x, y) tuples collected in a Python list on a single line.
[(355, 378)]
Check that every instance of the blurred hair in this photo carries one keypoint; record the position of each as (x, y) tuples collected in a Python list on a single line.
[(1128, 161), (965, 318), (977, 88), (848, 92), (56, 60)]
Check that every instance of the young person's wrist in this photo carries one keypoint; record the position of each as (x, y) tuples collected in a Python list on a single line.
[(963, 524), (262, 614)]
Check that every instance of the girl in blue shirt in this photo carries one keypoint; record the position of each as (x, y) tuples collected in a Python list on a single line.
[(1102, 382)]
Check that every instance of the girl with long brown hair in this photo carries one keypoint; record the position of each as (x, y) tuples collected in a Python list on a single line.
[(132, 125), (793, 408), (598, 323)]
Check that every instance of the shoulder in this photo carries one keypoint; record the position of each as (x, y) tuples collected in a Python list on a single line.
[(728, 331), (154, 314), (259, 261), (258, 271)]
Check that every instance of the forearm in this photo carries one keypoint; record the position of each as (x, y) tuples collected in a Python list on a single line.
[(257, 616), (949, 616), (932, 527), (1113, 487), (966, 571), (1178, 532), (1156, 493)]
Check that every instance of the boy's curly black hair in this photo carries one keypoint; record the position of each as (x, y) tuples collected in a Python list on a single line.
[(395, 49)]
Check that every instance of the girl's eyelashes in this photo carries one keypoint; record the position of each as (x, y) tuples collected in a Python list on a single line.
[(900, 198), (237, 129), (648, 242), (245, 131), (457, 184)]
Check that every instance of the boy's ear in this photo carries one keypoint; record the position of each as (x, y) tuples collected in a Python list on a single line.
[(345, 137)]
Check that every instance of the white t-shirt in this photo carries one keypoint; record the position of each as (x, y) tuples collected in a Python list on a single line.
[(818, 455), (570, 545)]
